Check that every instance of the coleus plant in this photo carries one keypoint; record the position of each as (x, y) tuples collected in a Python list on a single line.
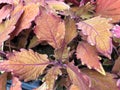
[(81, 33)]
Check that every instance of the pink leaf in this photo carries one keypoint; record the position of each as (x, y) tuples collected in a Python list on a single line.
[(5, 12), (8, 26), (88, 56), (27, 64), (108, 9), (3, 81), (118, 83), (31, 10), (6, 1), (16, 84), (98, 33), (116, 31)]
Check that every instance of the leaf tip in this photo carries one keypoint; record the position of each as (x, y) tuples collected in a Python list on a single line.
[(101, 70)]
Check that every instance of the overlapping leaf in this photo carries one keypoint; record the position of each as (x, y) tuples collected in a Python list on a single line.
[(62, 53), (31, 10), (28, 65), (17, 8), (64, 81), (51, 76), (71, 30), (70, 33), (6, 1), (8, 26), (100, 82), (88, 55), (109, 9), (16, 84), (18, 15), (85, 11), (78, 78), (5, 12), (16, 2), (116, 67), (3, 81), (57, 5), (98, 33), (22, 41), (34, 42), (49, 28)]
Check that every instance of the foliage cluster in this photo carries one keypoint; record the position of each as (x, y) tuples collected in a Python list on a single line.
[(83, 37)]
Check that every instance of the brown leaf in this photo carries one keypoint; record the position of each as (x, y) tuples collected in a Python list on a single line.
[(71, 30), (5, 12), (3, 81), (100, 82), (98, 33), (116, 67), (33, 42), (70, 33), (116, 41), (57, 5), (108, 9), (64, 81), (62, 53), (23, 37), (78, 78), (85, 11), (27, 65), (22, 40), (8, 26), (49, 28), (88, 55), (51, 77), (16, 84)]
